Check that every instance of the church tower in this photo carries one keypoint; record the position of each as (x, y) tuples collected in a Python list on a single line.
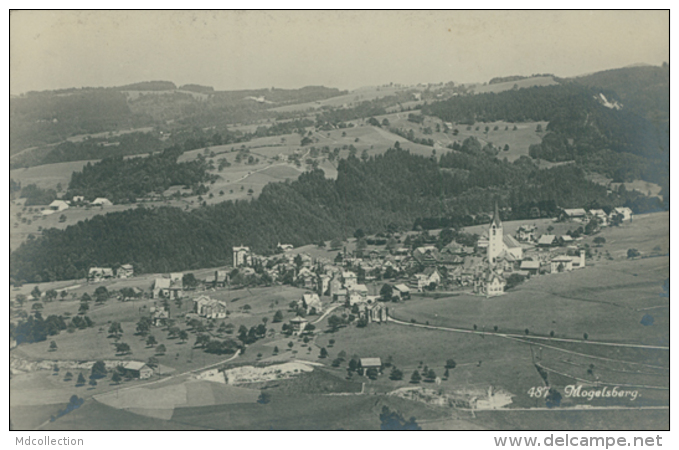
[(495, 244)]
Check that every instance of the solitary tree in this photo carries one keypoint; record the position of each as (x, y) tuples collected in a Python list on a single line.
[(324, 353), (183, 335), (122, 348), (98, 370), (53, 346), (116, 378), (151, 341), (416, 377), (81, 380), (160, 350), (115, 329), (450, 364), (396, 374)]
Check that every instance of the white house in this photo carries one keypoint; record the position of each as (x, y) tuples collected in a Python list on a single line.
[(210, 308), (350, 279), (58, 205), (101, 201), (241, 256), (546, 240), (526, 233), (563, 262), (601, 215), (137, 369), (625, 212), (577, 214), (97, 274), (358, 294), (495, 285), (125, 271)]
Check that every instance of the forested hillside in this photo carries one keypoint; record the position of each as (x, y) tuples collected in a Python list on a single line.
[(125, 180), (390, 191)]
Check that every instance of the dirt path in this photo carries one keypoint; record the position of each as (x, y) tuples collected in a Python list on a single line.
[(331, 309)]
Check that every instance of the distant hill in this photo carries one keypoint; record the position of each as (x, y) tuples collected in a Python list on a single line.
[(149, 86), (644, 89), (49, 117)]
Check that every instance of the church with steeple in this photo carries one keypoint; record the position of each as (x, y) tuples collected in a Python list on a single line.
[(489, 280)]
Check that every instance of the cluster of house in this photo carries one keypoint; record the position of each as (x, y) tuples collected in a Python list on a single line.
[(622, 213), (171, 286), (62, 205), (97, 274), (505, 254), (455, 265)]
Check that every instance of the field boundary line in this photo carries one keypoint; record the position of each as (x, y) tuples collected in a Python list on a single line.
[(506, 335)]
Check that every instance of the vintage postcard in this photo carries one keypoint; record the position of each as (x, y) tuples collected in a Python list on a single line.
[(339, 220)]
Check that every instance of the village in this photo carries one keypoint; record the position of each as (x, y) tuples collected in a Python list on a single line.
[(355, 278)]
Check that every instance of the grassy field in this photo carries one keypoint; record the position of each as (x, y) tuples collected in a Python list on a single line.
[(304, 412), (508, 85), (599, 301), (560, 419), (96, 416)]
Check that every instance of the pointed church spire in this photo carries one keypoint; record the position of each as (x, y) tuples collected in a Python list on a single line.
[(496, 217)]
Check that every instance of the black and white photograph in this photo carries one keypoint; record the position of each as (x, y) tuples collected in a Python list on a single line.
[(340, 220)]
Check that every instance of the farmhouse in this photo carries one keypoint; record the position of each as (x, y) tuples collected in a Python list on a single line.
[(532, 267), (370, 363), (125, 271), (101, 201), (323, 284), (577, 214), (306, 279), (601, 215), (358, 294), (221, 278), (207, 307), (311, 300), (242, 256), (625, 212), (402, 291), (526, 233), (168, 287), (137, 369), (55, 206), (159, 316), (298, 324), (97, 274), (350, 279), (285, 247), (561, 263), (546, 240)]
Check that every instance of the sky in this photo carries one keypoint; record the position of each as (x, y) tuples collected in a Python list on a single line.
[(344, 49)]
